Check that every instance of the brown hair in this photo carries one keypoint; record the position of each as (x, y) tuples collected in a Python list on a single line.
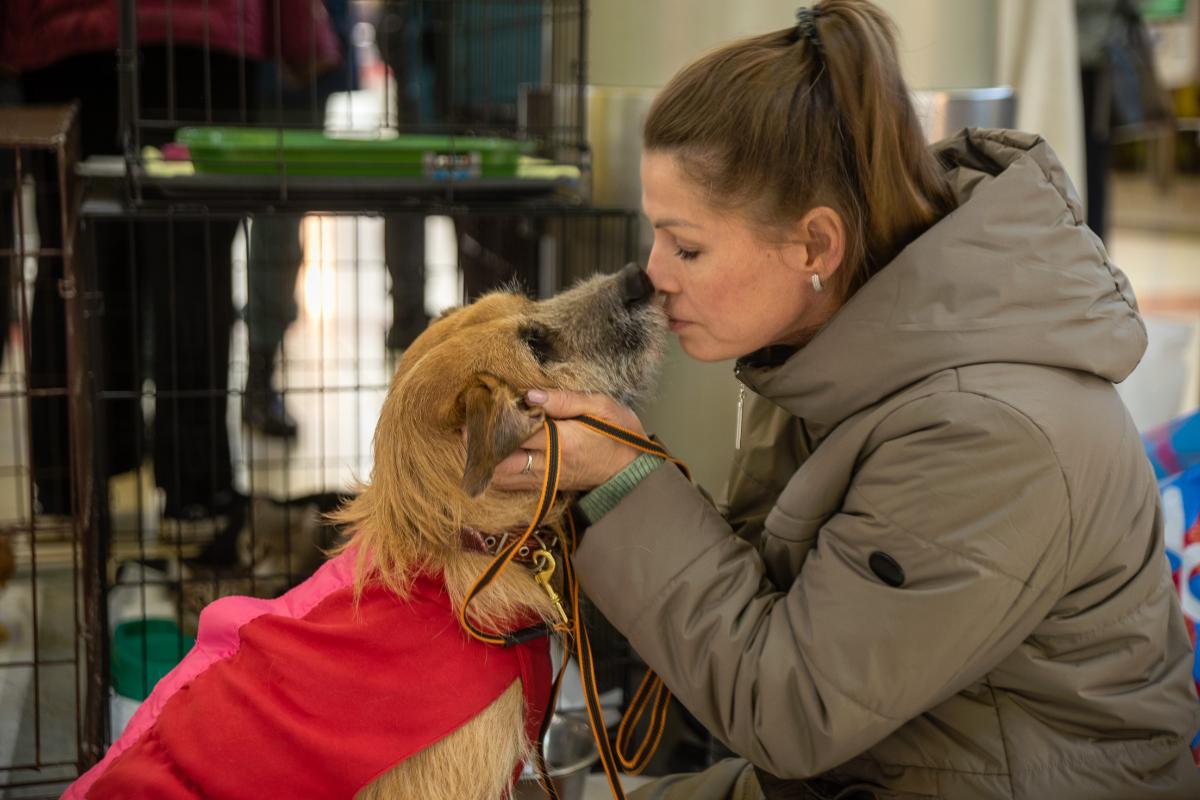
[(778, 124)]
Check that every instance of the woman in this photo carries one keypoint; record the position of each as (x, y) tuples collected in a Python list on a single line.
[(940, 570)]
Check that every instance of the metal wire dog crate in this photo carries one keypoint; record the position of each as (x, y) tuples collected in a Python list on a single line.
[(144, 561), (139, 493), (333, 374)]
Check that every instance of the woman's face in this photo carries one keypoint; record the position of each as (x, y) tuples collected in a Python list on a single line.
[(728, 291)]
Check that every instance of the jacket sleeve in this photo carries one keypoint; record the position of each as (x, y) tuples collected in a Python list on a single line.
[(965, 495)]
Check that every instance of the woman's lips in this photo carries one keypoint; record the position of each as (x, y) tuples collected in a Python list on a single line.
[(678, 324)]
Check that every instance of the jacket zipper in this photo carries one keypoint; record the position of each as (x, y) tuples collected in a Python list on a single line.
[(737, 437)]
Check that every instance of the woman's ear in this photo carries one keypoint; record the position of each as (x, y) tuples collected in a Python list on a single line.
[(823, 234)]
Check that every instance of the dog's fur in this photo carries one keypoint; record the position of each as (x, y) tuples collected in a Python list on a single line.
[(470, 370)]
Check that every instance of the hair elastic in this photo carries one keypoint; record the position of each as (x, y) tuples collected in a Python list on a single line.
[(806, 26)]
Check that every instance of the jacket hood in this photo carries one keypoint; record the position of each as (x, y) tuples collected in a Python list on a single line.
[(1011, 275)]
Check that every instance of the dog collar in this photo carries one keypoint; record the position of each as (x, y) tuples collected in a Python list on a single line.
[(492, 543)]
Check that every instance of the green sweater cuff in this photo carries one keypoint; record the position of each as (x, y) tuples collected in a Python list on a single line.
[(599, 501)]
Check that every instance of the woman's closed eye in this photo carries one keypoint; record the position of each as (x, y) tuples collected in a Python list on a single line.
[(685, 255)]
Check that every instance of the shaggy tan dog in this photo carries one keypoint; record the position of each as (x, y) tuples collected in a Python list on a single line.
[(470, 370)]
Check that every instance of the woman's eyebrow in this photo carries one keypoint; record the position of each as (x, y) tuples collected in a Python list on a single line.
[(675, 223)]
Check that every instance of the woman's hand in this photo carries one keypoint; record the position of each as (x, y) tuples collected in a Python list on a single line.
[(588, 459)]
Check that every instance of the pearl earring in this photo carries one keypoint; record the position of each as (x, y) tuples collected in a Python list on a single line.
[(816, 282)]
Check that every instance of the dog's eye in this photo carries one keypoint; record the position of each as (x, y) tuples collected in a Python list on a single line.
[(537, 338)]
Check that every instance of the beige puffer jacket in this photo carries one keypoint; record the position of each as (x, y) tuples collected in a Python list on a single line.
[(957, 586)]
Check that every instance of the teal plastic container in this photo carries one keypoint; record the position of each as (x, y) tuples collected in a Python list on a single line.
[(258, 151), (143, 651)]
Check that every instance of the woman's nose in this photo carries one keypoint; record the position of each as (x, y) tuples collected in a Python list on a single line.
[(659, 272)]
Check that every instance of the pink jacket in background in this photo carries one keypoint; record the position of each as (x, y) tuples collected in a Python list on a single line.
[(38, 33)]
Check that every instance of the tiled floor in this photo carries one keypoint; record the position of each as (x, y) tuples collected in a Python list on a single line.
[(336, 374), (597, 786)]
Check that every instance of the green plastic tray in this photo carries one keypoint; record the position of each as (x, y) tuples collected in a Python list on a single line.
[(248, 151)]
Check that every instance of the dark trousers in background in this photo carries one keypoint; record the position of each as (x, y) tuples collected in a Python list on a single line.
[(166, 288), (1097, 150), (7, 242), (275, 250), (272, 267), (276, 254), (404, 251)]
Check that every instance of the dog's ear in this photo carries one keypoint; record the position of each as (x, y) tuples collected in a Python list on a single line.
[(497, 421)]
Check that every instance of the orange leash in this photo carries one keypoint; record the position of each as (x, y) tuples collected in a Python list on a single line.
[(505, 556), (651, 694), (498, 563)]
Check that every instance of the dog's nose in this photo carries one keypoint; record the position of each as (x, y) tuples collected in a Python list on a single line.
[(635, 285)]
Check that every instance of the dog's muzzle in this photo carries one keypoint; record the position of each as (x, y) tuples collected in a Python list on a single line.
[(636, 287)]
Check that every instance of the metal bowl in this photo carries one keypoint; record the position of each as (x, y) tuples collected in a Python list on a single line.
[(570, 753)]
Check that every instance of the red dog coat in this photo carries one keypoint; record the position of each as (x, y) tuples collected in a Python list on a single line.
[(306, 696)]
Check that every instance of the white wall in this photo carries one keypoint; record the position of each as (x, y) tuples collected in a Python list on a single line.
[(944, 43)]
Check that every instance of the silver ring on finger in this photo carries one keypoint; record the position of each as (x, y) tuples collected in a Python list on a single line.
[(528, 463)]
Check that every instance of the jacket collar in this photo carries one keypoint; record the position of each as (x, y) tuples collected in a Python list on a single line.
[(1012, 275)]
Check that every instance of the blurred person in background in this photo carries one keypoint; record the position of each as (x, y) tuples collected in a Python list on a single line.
[(165, 283), (458, 65), (1095, 18), (276, 251), (1120, 87)]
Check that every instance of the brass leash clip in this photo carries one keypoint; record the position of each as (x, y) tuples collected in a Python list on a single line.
[(546, 565)]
